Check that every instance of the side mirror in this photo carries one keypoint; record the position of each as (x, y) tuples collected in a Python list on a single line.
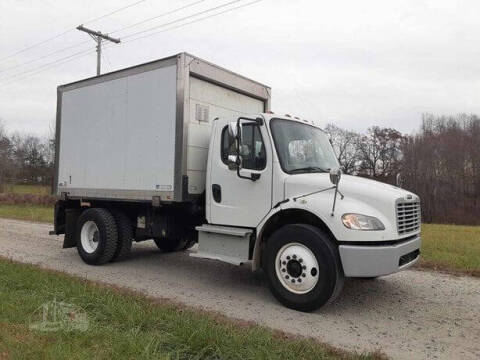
[(232, 132), (234, 162), (335, 175)]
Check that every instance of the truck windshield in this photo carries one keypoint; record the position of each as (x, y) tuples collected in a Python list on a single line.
[(302, 148)]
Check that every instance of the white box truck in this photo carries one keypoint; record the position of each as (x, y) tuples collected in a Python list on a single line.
[(182, 151)]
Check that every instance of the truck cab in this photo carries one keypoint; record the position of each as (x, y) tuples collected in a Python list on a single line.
[(279, 177)]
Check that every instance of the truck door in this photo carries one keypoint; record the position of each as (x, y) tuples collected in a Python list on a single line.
[(237, 201)]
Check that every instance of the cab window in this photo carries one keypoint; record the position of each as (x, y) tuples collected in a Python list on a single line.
[(253, 148)]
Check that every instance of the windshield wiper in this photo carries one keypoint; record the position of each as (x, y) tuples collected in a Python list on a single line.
[(309, 169)]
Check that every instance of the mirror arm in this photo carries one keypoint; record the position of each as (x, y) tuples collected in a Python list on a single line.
[(335, 199), (253, 176), (312, 193), (258, 120)]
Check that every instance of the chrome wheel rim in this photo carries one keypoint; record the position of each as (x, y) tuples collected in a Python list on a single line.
[(297, 268), (89, 237)]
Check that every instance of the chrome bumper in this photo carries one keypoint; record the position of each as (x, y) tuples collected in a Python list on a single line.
[(370, 261)]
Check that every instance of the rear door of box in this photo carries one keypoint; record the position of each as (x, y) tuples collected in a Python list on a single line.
[(117, 137)]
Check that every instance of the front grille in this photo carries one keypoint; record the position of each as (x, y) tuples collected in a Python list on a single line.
[(408, 216)]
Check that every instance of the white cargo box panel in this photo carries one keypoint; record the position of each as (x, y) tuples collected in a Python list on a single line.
[(143, 132)]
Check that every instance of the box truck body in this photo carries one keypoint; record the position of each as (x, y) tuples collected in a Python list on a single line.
[(144, 132), (185, 152)]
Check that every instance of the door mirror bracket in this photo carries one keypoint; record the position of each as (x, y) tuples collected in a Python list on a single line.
[(235, 163), (254, 176), (235, 135)]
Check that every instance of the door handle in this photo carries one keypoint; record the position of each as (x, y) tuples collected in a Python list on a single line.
[(217, 193)]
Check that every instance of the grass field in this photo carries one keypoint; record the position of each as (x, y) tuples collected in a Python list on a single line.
[(16, 202), (27, 189), (124, 325), (451, 248), (27, 212)]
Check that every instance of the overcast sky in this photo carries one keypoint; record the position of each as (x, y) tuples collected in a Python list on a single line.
[(353, 63)]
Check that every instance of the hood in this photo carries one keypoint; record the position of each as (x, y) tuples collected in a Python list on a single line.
[(352, 186), (376, 195), (361, 196)]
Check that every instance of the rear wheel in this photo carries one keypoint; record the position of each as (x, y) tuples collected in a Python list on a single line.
[(97, 236), (125, 235), (303, 267)]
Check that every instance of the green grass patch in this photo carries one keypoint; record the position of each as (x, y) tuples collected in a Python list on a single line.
[(451, 248), (27, 189), (36, 213), (125, 325)]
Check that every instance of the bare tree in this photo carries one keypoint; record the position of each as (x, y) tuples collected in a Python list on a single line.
[(33, 158), (379, 153), (345, 144), (7, 165), (442, 165)]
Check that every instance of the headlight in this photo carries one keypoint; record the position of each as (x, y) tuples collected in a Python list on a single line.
[(362, 222)]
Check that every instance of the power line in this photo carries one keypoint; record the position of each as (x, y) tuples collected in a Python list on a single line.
[(44, 56), (158, 16), (47, 64), (194, 21), (88, 51), (117, 30), (184, 18), (114, 12), (35, 45), (50, 67), (107, 59), (69, 30)]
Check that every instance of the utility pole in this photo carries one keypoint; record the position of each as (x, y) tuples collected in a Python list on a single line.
[(98, 37)]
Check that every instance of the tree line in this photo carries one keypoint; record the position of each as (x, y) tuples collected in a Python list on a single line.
[(26, 158), (440, 163)]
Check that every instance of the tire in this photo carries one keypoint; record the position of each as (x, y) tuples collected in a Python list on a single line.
[(188, 245), (97, 236), (173, 244), (125, 235), (309, 273)]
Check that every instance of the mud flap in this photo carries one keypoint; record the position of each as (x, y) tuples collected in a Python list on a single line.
[(71, 217)]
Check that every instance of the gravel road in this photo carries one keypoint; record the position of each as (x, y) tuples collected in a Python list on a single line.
[(410, 315)]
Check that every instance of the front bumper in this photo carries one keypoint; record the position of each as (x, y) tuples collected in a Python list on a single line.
[(371, 261)]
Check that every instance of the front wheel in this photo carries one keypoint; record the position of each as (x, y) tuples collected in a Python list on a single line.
[(303, 267)]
